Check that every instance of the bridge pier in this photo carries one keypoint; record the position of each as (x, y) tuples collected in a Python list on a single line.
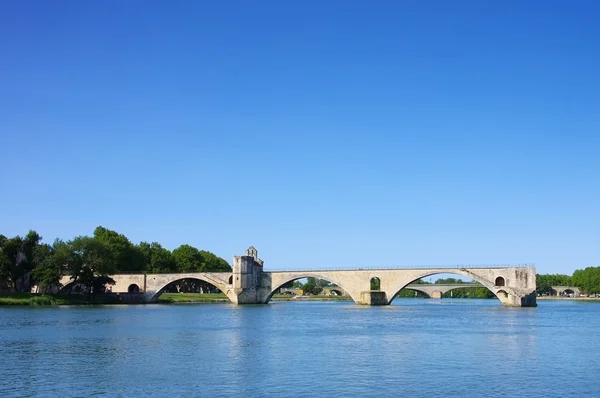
[(436, 295), (373, 297)]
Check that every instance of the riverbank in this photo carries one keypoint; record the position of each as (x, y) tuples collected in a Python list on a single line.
[(569, 298), (33, 299), (173, 298)]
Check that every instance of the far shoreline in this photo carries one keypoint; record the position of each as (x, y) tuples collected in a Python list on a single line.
[(568, 298)]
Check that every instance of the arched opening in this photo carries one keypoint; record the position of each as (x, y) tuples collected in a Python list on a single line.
[(303, 286), (446, 285), (375, 283), (133, 288), (568, 293), (500, 281), (230, 280), (190, 290)]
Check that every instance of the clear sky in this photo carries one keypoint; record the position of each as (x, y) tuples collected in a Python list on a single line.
[(325, 133)]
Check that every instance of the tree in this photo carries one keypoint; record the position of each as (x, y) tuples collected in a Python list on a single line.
[(13, 269), (587, 279), (544, 282), (19, 252), (213, 263), (91, 261), (5, 267), (127, 256), (449, 281), (187, 259), (310, 287), (157, 258), (46, 271)]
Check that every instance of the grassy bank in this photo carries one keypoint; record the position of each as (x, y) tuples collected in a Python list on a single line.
[(221, 298), (287, 297), (32, 299), (166, 298), (569, 298)]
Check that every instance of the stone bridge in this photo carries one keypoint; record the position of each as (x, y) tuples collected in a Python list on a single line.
[(437, 291), (249, 284), (564, 290)]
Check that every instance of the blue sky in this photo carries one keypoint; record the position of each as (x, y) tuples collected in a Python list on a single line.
[(326, 134)]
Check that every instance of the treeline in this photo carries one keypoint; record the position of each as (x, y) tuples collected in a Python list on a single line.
[(587, 280), (90, 260), (544, 282)]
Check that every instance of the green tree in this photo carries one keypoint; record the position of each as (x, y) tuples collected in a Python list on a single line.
[(91, 263), (190, 259), (213, 263), (187, 259), (449, 281), (14, 268), (544, 282), (47, 271), (310, 287), (127, 256), (157, 258), (587, 279), (5, 267)]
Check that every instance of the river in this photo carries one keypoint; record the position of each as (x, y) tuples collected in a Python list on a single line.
[(415, 347)]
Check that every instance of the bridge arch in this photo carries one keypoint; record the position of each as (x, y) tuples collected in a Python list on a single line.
[(162, 286), (133, 288), (277, 284), (490, 285), (375, 283)]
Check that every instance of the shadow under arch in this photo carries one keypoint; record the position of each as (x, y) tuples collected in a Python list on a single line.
[(484, 283), (220, 286), (279, 284), (76, 287)]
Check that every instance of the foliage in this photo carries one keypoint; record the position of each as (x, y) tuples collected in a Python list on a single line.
[(89, 261), (157, 258), (212, 263), (408, 293), (449, 281), (189, 259), (587, 279), (47, 267), (16, 262), (193, 298), (126, 256), (5, 266), (42, 300), (544, 282), (470, 292), (310, 287)]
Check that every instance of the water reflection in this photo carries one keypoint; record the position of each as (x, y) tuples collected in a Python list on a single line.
[(413, 347)]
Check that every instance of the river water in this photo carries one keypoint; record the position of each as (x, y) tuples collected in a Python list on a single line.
[(415, 347)]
